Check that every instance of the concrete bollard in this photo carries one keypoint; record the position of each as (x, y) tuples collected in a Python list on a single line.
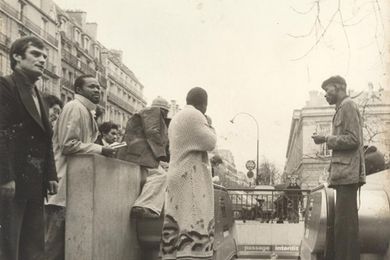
[(100, 194)]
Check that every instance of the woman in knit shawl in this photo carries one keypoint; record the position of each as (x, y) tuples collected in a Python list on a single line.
[(188, 230)]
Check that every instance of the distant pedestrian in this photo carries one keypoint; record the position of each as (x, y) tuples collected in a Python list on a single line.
[(188, 229), (75, 132), (347, 170), (27, 170), (55, 105)]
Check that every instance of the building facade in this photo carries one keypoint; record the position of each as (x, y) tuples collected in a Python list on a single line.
[(124, 91), (31, 17), (309, 162), (73, 50), (227, 172)]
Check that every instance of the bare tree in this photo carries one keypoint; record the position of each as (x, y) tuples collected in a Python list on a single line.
[(372, 124), (337, 17), (269, 174)]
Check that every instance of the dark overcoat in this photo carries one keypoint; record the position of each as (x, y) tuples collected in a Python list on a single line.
[(26, 150)]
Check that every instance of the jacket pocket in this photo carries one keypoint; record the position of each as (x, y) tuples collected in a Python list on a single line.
[(342, 160)]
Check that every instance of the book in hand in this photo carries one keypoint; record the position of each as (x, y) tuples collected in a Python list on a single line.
[(117, 145)]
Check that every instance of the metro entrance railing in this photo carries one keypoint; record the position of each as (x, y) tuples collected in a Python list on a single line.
[(269, 205)]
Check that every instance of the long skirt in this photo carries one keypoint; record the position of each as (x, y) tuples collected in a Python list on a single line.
[(188, 229)]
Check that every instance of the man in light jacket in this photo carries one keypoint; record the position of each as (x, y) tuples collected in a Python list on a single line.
[(347, 170), (75, 132)]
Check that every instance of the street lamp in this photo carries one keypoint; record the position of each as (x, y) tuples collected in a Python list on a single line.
[(257, 147)]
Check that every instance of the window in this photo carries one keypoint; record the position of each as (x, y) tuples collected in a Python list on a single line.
[(44, 25), (77, 35), (86, 43), (63, 24)]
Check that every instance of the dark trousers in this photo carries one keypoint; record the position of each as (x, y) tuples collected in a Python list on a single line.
[(346, 226), (22, 229), (55, 232)]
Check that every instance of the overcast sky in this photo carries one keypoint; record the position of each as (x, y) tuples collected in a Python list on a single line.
[(242, 54)]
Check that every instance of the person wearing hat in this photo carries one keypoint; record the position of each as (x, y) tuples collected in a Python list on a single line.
[(347, 169), (146, 136)]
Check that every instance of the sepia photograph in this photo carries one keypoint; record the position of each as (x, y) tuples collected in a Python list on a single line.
[(194, 129)]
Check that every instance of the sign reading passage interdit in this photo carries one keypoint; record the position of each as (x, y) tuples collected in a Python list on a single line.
[(267, 251)]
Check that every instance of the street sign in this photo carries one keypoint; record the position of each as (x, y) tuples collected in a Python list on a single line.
[(250, 174), (250, 165)]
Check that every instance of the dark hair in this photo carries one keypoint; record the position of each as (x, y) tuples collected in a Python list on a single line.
[(52, 100), (334, 80), (106, 127), (20, 46), (79, 82), (196, 96)]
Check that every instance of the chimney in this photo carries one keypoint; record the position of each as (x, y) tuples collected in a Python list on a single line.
[(117, 53), (79, 16), (91, 29)]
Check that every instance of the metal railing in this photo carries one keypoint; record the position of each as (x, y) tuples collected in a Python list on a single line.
[(120, 102), (9, 9), (269, 206), (125, 84), (77, 63)]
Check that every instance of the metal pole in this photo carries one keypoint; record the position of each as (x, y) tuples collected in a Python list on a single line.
[(257, 144), (257, 159)]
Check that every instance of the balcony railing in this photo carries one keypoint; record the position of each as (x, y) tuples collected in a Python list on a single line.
[(266, 205), (38, 30), (118, 79), (9, 9), (120, 102), (77, 63), (28, 23)]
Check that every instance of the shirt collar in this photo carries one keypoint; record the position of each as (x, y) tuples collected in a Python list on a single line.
[(86, 102), (342, 103), (105, 142), (26, 79)]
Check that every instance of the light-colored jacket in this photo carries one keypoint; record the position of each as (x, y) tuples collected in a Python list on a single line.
[(346, 142), (74, 132)]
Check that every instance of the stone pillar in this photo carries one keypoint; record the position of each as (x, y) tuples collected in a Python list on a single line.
[(100, 194)]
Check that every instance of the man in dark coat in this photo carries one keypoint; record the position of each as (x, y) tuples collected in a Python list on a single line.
[(27, 168), (347, 169), (146, 136)]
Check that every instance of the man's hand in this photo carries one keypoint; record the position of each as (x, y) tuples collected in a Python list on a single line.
[(53, 187), (7, 190), (318, 139), (164, 165), (108, 151)]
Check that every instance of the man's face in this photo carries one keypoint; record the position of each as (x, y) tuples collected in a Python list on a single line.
[(34, 61), (164, 113), (54, 113), (90, 90), (331, 94), (111, 136)]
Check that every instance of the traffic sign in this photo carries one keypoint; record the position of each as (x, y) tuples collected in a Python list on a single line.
[(250, 174), (250, 165)]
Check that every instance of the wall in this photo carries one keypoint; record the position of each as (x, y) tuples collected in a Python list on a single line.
[(100, 194)]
